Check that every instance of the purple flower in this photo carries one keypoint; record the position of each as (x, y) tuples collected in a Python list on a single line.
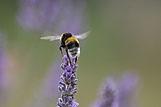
[(67, 84), (3, 78), (46, 15), (107, 95), (2, 62), (118, 92), (37, 14), (127, 90)]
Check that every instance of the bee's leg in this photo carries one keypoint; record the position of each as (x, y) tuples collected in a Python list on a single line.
[(68, 56), (76, 59), (60, 48)]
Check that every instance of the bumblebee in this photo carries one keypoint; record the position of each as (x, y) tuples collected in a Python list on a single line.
[(68, 42)]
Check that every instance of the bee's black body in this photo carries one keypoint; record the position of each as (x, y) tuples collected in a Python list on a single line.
[(70, 46)]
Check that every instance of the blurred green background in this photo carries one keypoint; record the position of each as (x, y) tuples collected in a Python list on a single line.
[(125, 37)]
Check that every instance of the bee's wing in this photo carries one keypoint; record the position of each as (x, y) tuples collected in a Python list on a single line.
[(50, 38), (46, 36), (83, 36)]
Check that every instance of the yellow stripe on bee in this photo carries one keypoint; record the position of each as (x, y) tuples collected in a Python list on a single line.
[(71, 39)]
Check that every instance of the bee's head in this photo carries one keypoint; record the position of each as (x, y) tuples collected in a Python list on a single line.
[(65, 36)]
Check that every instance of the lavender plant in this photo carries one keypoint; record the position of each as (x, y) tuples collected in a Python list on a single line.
[(49, 15), (107, 96), (3, 65), (2, 61), (118, 93), (67, 84)]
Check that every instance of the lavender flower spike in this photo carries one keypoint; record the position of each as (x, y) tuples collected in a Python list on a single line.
[(67, 84), (118, 92), (107, 95)]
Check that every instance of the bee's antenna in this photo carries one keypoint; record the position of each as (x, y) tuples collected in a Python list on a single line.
[(76, 59), (60, 48)]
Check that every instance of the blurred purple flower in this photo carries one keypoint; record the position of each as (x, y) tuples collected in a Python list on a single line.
[(107, 95), (2, 67), (2, 62), (67, 84), (3, 78), (46, 15), (127, 91), (35, 14), (118, 93)]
